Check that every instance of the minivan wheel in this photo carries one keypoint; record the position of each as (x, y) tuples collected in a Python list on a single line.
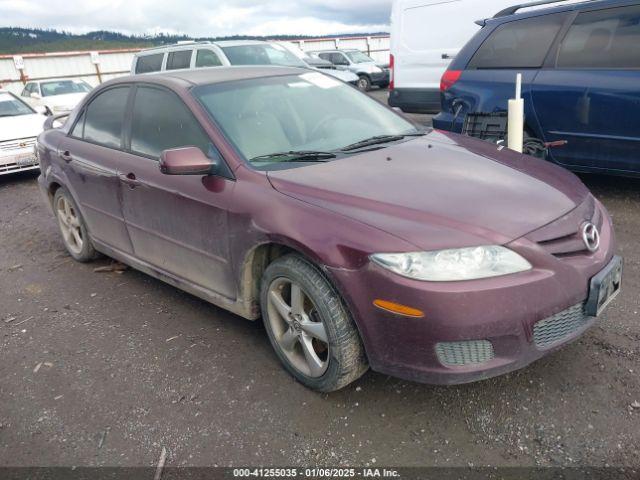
[(72, 227), (309, 325), (364, 83)]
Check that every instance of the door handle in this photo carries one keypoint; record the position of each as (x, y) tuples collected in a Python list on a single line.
[(130, 179), (66, 156)]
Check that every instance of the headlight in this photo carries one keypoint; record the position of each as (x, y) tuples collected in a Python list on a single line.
[(454, 265)]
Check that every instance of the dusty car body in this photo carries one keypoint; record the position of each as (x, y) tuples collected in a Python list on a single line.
[(233, 234)]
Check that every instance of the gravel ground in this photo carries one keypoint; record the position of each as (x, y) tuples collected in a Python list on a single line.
[(108, 368)]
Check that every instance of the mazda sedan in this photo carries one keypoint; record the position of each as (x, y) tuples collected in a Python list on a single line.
[(360, 239)]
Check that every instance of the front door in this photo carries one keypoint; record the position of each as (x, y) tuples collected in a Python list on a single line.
[(91, 156), (177, 223), (591, 98)]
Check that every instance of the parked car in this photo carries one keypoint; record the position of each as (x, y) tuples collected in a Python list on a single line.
[(57, 96), (425, 36), (193, 55), (20, 124), (361, 239), (316, 63), (368, 71), (580, 65)]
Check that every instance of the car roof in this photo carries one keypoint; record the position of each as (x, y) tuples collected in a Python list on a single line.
[(207, 76), (568, 7), (205, 43)]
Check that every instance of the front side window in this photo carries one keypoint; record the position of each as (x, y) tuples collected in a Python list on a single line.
[(262, 54), (307, 112), (64, 87), (11, 106), (179, 60), (519, 44), (149, 63), (104, 117), (161, 121), (603, 39), (359, 57), (207, 58)]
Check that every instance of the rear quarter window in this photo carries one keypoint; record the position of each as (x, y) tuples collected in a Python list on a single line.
[(149, 63), (518, 44), (603, 39)]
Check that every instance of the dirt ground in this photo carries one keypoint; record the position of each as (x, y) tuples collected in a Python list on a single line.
[(108, 368)]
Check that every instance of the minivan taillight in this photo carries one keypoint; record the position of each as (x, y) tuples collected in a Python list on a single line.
[(449, 79), (392, 63)]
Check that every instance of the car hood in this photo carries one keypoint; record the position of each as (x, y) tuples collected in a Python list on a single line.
[(68, 99), (21, 126), (439, 191), (344, 75)]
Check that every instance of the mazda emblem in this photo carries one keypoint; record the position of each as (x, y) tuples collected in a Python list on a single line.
[(591, 236)]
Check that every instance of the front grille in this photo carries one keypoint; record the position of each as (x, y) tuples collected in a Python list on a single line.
[(17, 144), (458, 354), (563, 237), (558, 327), (14, 167)]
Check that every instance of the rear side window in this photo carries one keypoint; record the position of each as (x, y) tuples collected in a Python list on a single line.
[(207, 58), (178, 60), (162, 121), (149, 63), (603, 39), (519, 44), (104, 117)]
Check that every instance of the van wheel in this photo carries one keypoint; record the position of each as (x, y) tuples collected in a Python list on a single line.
[(72, 227), (364, 83), (309, 325)]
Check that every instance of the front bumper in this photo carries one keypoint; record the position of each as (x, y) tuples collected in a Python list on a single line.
[(380, 79), (475, 329)]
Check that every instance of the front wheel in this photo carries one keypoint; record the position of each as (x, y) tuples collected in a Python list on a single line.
[(364, 83), (309, 326)]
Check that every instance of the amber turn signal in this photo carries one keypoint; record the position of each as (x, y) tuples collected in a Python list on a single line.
[(398, 308)]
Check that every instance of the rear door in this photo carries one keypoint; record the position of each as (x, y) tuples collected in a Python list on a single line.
[(177, 223), (91, 156), (592, 97)]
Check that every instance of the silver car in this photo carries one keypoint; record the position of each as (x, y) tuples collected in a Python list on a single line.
[(368, 71)]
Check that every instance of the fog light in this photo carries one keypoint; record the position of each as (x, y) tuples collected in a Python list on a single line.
[(398, 308)]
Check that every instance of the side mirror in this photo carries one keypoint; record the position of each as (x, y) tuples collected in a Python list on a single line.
[(187, 161), (41, 109)]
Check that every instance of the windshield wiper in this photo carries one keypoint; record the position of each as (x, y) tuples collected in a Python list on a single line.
[(379, 140), (297, 156)]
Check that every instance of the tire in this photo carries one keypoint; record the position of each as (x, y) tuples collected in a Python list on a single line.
[(364, 83), (70, 219), (342, 358)]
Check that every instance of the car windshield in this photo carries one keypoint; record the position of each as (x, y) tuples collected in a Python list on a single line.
[(310, 113), (259, 54), (10, 106), (359, 57), (63, 87)]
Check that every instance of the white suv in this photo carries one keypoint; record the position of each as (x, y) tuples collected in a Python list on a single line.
[(191, 55)]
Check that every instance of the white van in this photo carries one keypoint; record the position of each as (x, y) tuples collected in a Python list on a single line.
[(425, 36)]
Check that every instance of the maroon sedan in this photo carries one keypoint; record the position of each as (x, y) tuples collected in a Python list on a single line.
[(360, 239)]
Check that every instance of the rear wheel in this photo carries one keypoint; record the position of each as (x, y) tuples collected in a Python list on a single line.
[(309, 326), (364, 83), (72, 227)]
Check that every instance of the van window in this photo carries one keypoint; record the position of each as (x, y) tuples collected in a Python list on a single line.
[(149, 63), (518, 44), (105, 117), (162, 121), (207, 58), (603, 39), (178, 60)]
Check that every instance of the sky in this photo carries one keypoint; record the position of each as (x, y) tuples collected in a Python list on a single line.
[(200, 18)]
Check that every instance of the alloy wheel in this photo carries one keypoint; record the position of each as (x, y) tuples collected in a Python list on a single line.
[(69, 225), (297, 327)]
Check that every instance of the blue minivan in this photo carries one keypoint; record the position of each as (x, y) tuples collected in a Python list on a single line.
[(580, 65)]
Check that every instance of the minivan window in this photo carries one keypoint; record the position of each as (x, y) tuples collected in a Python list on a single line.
[(149, 63), (105, 116), (261, 54), (603, 39), (518, 44), (207, 58), (178, 60), (161, 121)]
